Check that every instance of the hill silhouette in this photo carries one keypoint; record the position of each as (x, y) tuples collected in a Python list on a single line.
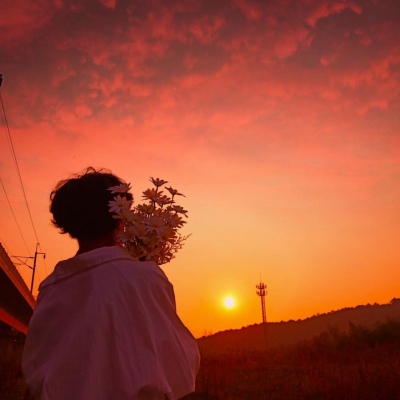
[(287, 333)]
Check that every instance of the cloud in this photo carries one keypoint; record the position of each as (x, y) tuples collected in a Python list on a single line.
[(21, 20), (220, 69), (323, 9), (109, 3)]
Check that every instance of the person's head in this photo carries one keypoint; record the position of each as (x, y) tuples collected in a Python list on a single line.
[(80, 205)]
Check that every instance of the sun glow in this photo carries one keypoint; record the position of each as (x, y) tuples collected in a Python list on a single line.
[(229, 302)]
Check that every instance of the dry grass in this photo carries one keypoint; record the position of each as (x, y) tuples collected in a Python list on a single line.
[(358, 365)]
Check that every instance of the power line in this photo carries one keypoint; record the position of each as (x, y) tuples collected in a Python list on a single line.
[(14, 157), (17, 167), (15, 218)]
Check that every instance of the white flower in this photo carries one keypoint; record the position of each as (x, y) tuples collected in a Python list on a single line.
[(145, 208), (122, 188), (149, 230), (125, 214), (140, 230), (166, 233), (158, 182), (179, 210), (127, 236), (176, 221), (150, 194), (155, 223), (174, 192), (119, 204)]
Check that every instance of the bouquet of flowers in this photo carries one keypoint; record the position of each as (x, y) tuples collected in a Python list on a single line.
[(149, 230)]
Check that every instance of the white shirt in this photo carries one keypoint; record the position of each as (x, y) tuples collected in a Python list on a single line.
[(105, 327)]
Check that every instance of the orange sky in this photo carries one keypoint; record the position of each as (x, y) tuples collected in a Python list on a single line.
[(278, 120)]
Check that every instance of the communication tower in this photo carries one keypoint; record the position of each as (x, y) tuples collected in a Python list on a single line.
[(262, 292)]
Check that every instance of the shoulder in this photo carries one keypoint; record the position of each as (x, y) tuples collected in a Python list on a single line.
[(103, 261), (140, 272)]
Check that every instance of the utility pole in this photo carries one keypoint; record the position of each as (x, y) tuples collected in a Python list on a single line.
[(34, 263)]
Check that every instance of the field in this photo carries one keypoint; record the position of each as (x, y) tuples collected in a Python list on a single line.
[(362, 364)]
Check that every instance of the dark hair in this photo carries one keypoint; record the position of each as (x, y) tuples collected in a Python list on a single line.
[(80, 204)]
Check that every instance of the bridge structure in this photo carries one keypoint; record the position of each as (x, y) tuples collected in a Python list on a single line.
[(16, 300)]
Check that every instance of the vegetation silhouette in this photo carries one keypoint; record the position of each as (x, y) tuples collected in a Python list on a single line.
[(291, 332), (361, 363)]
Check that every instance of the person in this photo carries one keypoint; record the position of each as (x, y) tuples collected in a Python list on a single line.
[(104, 326)]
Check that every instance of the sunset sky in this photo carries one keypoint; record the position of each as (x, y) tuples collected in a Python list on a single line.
[(279, 121)]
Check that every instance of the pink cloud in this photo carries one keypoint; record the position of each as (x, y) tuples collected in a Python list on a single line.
[(323, 9), (21, 20), (206, 30), (252, 11), (152, 66), (287, 43), (111, 4)]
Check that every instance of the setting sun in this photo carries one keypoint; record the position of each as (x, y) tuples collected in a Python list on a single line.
[(229, 302)]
